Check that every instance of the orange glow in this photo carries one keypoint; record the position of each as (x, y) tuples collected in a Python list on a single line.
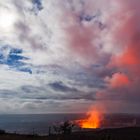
[(130, 57), (119, 80), (93, 120)]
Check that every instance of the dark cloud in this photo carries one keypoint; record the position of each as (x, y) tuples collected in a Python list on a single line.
[(8, 94), (41, 93), (59, 86), (32, 89), (87, 18)]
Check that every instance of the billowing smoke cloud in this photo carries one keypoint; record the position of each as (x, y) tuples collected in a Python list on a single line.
[(124, 85), (119, 39)]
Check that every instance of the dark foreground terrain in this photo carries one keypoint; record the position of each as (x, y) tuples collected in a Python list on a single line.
[(132, 133)]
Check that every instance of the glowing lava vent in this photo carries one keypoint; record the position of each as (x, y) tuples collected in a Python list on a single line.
[(93, 120)]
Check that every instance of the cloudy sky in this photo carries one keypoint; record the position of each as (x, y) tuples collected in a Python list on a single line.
[(63, 56)]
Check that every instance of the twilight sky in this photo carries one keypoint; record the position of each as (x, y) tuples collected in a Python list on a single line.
[(63, 56)]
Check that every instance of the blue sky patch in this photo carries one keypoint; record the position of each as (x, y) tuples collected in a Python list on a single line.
[(37, 6), (13, 58)]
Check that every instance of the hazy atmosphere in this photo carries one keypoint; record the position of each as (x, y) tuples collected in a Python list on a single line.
[(66, 56)]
